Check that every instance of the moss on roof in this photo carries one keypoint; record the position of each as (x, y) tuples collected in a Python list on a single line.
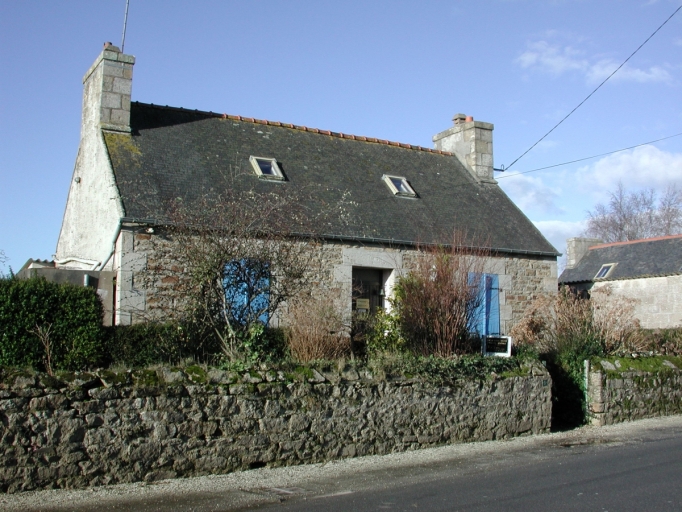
[(175, 153)]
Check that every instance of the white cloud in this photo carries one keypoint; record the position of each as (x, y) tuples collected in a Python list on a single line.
[(557, 231), (600, 70), (551, 58), (643, 167), (530, 193), (556, 60)]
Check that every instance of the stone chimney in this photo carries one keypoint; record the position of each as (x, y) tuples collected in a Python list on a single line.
[(472, 142), (106, 91), (576, 248)]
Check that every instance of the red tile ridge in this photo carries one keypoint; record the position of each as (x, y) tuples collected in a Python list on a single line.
[(338, 135), (629, 242)]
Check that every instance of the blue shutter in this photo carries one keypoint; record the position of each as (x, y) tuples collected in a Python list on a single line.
[(487, 316), (492, 304)]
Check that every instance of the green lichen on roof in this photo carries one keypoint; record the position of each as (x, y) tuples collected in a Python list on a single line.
[(175, 153)]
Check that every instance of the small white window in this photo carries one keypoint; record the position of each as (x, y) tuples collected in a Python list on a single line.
[(266, 168), (605, 270), (399, 186)]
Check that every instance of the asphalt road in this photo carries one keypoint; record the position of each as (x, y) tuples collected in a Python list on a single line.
[(625, 477), (626, 467)]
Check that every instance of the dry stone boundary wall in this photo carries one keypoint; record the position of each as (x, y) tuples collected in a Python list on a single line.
[(614, 397), (105, 428)]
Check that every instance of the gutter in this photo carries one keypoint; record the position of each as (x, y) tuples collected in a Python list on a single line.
[(344, 238)]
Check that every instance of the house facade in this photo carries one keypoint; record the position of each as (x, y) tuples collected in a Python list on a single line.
[(647, 272), (136, 159)]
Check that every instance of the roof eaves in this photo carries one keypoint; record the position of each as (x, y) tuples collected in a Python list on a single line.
[(362, 239)]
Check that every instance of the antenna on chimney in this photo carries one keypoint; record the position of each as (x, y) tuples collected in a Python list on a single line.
[(125, 23)]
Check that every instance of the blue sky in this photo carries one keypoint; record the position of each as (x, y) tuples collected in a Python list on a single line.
[(396, 70)]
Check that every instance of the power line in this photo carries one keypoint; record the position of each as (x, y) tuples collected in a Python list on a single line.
[(597, 88), (588, 157)]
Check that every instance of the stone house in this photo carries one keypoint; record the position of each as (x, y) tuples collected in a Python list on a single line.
[(648, 271), (135, 158)]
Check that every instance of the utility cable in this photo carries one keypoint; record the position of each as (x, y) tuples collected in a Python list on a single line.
[(588, 157), (597, 88)]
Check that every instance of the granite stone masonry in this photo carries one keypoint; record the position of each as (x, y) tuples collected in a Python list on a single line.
[(156, 288), (89, 429), (614, 396)]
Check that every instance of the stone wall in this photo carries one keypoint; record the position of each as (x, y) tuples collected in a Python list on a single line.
[(104, 428), (155, 283), (658, 300), (614, 396)]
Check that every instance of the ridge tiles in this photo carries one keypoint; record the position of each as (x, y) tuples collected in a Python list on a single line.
[(306, 129), (629, 242)]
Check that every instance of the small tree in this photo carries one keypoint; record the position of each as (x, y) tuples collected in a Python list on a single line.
[(636, 215), (439, 300), (243, 257)]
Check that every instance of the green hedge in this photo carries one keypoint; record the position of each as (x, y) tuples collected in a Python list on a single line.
[(69, 316), (145, 344)]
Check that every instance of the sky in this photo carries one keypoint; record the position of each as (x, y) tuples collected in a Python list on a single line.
[(391, 69)]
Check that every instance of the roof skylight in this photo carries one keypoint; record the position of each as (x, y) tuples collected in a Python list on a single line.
[(399, 186), (605, 270), (266, 168)]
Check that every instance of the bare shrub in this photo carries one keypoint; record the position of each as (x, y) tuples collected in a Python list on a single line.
[(439, 299), (317, 329), (44, 334), (567, 323), (664, 341)]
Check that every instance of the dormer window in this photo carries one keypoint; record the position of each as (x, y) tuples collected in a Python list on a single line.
[(605, 270), (266, 168), (399, 186)]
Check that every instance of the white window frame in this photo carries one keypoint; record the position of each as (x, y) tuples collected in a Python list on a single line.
[(278, 176), (388, 180), (611, 267)]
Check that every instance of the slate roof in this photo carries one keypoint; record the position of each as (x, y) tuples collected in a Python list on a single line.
[(175, 153), (638, 258)]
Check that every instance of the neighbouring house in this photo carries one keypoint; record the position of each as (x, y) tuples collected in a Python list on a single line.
[(134, 159), (648, 271)]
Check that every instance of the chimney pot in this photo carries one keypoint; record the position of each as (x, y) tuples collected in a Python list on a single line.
[(468, 119), (459, 118)]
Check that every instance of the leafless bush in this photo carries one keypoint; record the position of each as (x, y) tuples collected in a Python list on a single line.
[(568, 323), (44, 334), (439, 299), (664, 341), (317, 329)]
